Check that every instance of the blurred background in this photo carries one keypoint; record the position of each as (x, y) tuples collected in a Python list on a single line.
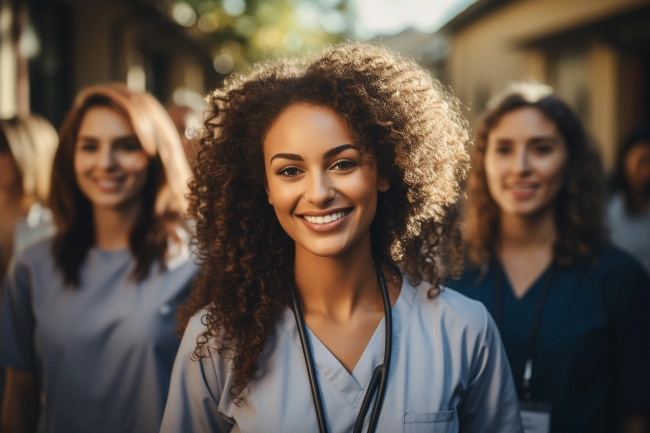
[(595, 53)]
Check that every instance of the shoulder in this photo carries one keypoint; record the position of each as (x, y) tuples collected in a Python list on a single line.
[(612, 260), (453, 310), (35, 254)]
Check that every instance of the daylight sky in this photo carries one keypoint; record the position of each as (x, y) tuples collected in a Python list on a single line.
[(375, 17)]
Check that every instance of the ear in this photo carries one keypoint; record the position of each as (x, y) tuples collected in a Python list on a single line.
[(383, 184), (268, 195)]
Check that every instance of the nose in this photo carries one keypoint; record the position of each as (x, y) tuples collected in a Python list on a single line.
[(522, 161), (106, 158), (319, 189)]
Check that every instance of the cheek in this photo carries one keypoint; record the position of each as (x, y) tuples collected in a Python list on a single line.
[(135, 164), (493, 173), (82, 163)]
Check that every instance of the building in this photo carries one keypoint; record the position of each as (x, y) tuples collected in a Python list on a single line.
[(595, 53), (51, 49)]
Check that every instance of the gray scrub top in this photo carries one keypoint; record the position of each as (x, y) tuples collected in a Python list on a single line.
[(103, 352), (449, 373)]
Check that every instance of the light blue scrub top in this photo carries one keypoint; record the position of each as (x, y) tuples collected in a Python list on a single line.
[(449, 373), (103, 352)]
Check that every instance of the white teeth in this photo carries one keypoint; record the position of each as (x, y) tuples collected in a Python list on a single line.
[(324, 219)]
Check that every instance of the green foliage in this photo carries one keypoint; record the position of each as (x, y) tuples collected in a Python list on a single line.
[(241, 32)]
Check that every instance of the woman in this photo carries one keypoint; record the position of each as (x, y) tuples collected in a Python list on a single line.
[(628, 211), (88, 315), (572, 311), (27, 148), (316, 180)]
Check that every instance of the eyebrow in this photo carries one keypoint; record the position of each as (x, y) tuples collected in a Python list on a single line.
[(118, 139), (333, 151), (338, 149)]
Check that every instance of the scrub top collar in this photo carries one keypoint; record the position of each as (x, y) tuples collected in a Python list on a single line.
[(352, 387)]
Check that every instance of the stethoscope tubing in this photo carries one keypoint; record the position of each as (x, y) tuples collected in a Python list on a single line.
[(379, 377)]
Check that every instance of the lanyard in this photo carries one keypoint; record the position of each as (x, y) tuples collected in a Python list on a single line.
[(535, 323), (379, 377)]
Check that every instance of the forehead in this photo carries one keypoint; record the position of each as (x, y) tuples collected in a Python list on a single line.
[(104, 121), (303, 128), (526, 122)]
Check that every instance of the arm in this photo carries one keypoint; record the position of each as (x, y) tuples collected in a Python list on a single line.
[(195, 389), (490, 404), (628, 288), (21, 403)]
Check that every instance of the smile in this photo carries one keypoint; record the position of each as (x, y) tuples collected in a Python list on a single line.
[(327, 218), (109, 185), (325, 222)]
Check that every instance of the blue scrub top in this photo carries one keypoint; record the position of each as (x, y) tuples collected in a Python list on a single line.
[(103, 352), (448, 373), (593, 347)]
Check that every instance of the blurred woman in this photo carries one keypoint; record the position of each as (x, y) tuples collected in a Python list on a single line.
[(572, 310), (87, 316), (628, 211), (27, 147)]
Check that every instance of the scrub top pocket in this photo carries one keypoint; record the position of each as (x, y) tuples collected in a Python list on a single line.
[(432, 422)]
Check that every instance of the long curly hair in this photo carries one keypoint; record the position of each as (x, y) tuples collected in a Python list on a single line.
[(579, 205), (394, 108), (164, 201)]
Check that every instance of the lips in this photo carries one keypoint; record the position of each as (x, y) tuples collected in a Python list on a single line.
[(109, 185), (523, 191), (323, 221)]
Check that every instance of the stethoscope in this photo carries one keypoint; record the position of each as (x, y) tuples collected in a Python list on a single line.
[(379, 376)]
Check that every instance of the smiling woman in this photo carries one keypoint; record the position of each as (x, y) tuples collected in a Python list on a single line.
[(86, 319), (572, 310), (324, 196)]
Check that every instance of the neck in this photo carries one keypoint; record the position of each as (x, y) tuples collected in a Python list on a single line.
[(534, 232), (113, 226), (337, 286)]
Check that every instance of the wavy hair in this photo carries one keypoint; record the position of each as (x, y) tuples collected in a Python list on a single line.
[(394, 108), (579, 205), (164, 201)]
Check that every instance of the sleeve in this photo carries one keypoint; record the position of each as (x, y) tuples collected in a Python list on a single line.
[(629, 292), (490, 404), (195, 390), (17, 323)]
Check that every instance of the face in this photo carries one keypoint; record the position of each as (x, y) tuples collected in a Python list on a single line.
[(110, 164), (637, 167), (323, 195), (525, 162)]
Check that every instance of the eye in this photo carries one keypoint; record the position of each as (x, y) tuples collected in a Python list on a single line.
[(88, 147), (343, 165), (289, 171), (544, 148), (128, 146), (503, 150)]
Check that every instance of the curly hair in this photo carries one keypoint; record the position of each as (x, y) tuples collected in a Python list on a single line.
[(163, 195), (579, 205), (394, 108)]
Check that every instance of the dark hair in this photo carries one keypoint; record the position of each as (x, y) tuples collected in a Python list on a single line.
[(163, 196), (638, 136), (579, 204), (391, 106)]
